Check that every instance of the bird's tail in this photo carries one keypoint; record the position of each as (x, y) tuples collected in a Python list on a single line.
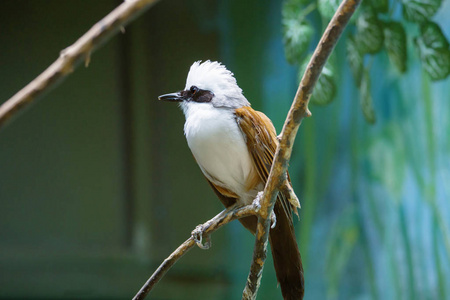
[(286, 257)]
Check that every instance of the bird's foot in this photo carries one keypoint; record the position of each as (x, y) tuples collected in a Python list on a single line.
[(198, 234), (257, 201), (273, 220), (257, 205)]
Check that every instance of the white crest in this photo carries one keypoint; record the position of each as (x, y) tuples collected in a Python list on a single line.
[(215, 77)]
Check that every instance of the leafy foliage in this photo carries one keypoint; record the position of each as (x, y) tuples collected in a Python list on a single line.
[(355, 59), (366, 99), (393, 175), (433, 50), (325, 89), (327, 8), (396, 44), (374, 31), (432, 36), (369, 31), (420, 10), (297, 32), (381, 6)]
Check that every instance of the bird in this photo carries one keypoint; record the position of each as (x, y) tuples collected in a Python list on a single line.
[(234, 146)]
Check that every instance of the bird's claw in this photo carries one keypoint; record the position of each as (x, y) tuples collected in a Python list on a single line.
[(198, 234), (273, 220), (257, 204), (257, 201)]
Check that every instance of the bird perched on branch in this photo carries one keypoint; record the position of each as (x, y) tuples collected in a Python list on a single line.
[(234, 146)]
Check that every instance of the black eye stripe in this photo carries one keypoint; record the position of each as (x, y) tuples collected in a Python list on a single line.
[(202, 96), (197, 95)]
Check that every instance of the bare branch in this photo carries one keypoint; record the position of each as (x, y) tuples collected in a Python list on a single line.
[(81, 50), (298, 111), (225, 217), (70, 57)]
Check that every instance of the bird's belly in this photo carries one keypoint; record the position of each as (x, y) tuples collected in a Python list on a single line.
[(221, 152)]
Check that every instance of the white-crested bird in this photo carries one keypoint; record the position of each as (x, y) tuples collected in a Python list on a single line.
[(234, 146)]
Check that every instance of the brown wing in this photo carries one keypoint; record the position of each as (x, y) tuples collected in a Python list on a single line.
[(261, 142)]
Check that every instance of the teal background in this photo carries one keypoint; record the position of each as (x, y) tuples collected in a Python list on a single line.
[(98, 186)]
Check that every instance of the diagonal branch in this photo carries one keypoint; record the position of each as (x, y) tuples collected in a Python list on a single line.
[(298, 111), (70, 57), (223, 218), (112, 23)]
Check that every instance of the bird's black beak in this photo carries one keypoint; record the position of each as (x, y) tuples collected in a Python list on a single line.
[(176, 97)]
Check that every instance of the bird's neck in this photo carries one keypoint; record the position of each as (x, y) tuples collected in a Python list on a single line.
[(203, 116)]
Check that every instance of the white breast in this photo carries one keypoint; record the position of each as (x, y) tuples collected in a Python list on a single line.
[(218, 146)]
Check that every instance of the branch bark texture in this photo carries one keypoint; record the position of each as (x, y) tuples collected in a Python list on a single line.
[(70, 57), (298, 111)]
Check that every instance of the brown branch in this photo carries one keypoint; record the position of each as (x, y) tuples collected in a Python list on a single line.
[(225, 217), (70, 57), (81, 50), (298, 111)]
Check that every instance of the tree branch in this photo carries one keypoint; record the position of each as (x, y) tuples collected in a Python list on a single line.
[(225, 217), (81, 50), (298, 111), (70, 57)]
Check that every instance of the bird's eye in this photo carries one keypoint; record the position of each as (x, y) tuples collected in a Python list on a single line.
[(194, 89)]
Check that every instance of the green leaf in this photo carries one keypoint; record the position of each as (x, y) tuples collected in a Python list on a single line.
[(395, 42), (327, 8), (381, 6), (369, 31), (297, 32), (432, 35), (420, 10), (293, 4), (355, 59), (436, 63), (434, 51), (366, 99), (325, 89)]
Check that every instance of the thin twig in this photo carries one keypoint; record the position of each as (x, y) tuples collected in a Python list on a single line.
[(225, 217), (70, 57), (298, 111)]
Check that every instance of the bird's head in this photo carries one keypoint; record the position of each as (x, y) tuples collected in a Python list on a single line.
[(209, 83)]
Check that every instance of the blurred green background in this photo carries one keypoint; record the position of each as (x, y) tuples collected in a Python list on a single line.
[(98, 186)]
